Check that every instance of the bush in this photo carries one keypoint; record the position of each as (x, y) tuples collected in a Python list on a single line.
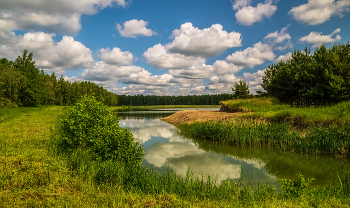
[(90, 125), (295, 188)]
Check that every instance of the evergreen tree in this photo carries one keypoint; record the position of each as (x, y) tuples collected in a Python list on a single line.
[(241, 90)]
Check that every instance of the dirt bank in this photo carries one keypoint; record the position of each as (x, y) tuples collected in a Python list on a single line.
[(191, 116)]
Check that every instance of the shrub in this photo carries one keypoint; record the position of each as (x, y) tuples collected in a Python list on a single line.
[(295, 188), (91, 125)]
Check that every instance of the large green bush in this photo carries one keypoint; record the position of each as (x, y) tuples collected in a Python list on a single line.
[(91, 125)]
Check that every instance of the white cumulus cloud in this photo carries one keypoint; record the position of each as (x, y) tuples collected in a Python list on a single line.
[(48, 54), (145, 77), (102, 71), (116, 56), (317, 39), (252, 56), (161, 58), (318, 11), (53, 16), (247, 15), (134, 28), (279, 40), (285, 57), (191, 41)]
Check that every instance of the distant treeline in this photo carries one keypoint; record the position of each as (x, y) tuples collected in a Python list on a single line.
[(144, 100), (22, 84), (321, 78)]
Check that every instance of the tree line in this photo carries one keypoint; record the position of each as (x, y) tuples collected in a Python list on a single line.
[(22, 84), (318, 79), (145, 100)]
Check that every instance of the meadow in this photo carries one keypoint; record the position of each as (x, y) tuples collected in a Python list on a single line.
[(36, 172)]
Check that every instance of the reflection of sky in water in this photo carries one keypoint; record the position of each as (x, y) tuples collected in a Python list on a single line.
[(164, 148)]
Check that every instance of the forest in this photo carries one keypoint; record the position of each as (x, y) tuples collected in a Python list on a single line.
[(145, 100), (22, 84), (318, 79)]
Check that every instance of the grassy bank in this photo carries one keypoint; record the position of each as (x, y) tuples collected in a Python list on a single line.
[(34, 174), (267, 123)]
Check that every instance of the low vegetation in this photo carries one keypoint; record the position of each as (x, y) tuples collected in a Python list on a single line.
[(37, 171), (267, 123)]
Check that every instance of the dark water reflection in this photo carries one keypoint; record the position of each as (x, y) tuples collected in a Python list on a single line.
[(166, 147)]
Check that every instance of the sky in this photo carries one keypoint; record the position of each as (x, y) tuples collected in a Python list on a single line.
[(168, 47)]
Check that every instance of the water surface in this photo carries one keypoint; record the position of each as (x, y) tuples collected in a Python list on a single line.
[(166, 148)]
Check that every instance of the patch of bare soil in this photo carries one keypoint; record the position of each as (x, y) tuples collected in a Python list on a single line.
[(191, 116)]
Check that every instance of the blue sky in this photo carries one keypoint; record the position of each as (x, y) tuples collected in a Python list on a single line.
[(165, 46)]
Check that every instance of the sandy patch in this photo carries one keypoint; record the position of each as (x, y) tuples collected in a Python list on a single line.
[(191, 116)]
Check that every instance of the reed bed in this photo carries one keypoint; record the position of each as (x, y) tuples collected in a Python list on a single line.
[(280, 135)]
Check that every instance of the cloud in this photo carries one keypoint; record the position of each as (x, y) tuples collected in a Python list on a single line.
[(161, 58), (101, 71), (247, 15), (254, 80), (191, 41), (52, 16), (317, 39), (222, 67), (144, 131), (226, 78), (279, 40), (116, 56), (284, 57), (134, 28), (48, 54), (144, 77), (143, 89), (318, 11), (199, 71), (252, 56)]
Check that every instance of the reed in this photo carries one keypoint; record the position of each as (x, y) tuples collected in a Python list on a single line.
[(280, 135)]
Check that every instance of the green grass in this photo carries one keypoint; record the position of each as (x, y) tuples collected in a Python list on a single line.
[(279, 135), (33, 174), (270, 110)]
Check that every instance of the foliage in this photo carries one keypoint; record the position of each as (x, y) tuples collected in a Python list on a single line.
[(89, 124), (241, 90), (147, 100), (25, 85), (321, 78), (295, 188), (31, 176)]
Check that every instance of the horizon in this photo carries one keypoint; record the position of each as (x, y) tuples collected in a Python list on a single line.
[(165, 47)]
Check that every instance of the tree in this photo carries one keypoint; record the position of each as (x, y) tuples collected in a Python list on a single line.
[(241, 90)]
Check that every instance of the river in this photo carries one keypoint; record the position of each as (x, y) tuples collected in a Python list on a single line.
[(166, 148)]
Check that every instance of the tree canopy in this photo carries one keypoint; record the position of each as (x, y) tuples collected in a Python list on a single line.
[(241, 90), (321, 78), (22, 84)]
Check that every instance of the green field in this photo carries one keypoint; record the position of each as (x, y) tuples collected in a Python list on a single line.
[(33, 174)]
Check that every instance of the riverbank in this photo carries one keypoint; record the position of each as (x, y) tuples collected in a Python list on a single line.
[(33, 176), (263, 122)]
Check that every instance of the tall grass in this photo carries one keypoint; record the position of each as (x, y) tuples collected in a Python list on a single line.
[(34, 174), (281, 135), (270, 110)]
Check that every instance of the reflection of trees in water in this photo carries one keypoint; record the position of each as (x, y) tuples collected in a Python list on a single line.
[(284, 164)]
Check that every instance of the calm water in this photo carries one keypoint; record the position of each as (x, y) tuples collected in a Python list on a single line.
[(165, 147)]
